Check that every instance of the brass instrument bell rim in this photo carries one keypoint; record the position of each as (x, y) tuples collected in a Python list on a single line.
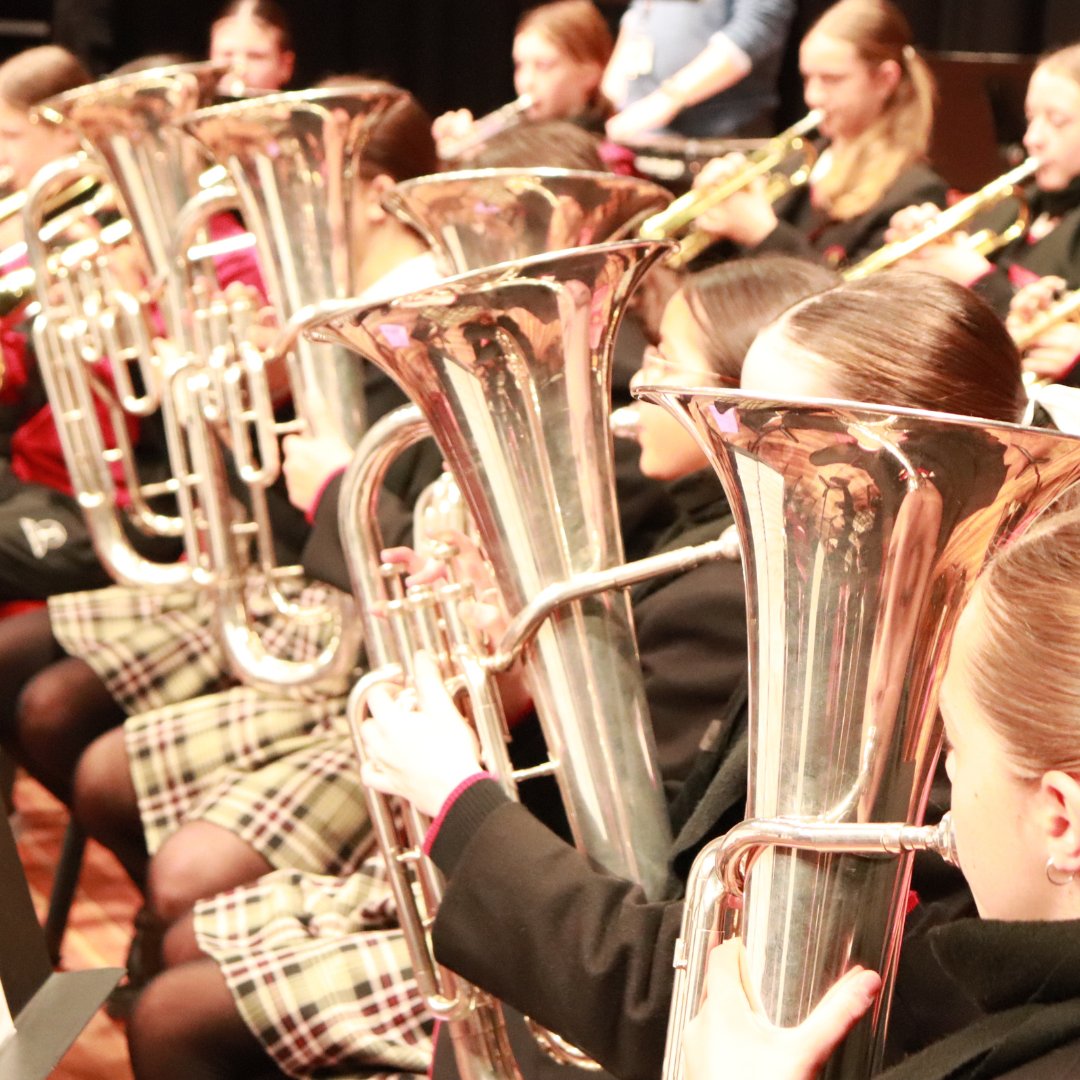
[(101, 88), (372, 89), (512, 270), (542, 172), (870, 411)]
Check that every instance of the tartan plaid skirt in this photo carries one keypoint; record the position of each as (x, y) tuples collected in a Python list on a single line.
[(156, 646), (281, 774), (320, 973)]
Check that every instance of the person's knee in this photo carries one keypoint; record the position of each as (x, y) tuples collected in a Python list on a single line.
[(199, 860), (186, 1024), (103, 792), (180, 945), (65, 698)]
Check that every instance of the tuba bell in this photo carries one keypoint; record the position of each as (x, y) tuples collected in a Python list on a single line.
[(862, 532), (480, 217)]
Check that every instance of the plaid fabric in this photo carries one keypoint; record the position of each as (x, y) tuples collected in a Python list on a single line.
[(320, 974), (280, 774), (153, 647)]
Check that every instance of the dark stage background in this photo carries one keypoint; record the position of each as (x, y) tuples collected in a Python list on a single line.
[(454, 53), (457, 52)]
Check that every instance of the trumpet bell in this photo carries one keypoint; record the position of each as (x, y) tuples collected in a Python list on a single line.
[(480, 217), (863, 531)]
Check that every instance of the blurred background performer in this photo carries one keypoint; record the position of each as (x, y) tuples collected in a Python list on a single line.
[(1050, 249), (254, 38), (560, 51), (698, 67), (860, 69)]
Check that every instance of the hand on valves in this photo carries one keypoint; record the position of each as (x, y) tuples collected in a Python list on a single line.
[(745, 217), (729, 1037), (1054, 352), (417, 745), (950, 256)]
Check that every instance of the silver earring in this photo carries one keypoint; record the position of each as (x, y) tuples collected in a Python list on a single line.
[(1055, 875)]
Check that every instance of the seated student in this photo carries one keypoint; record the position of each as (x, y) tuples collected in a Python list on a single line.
[(333, 942), (1051, 245), (1015, 770), (510, 883), (61, 552), (218, 763), (560, 50), (876, 94)]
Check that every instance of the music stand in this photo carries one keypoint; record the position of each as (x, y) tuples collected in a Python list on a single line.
[(49, 1008)]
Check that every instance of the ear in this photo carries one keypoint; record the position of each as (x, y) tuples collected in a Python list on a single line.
[(1059, 809), (888, 75), (377, 187)]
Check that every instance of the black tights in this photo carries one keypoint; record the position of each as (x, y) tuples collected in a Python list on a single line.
[(186, 1027), (52, 706)]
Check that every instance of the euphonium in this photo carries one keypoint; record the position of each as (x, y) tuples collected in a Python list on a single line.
[(294, 160), (480, 217), (1008, 186), (487, 127), (510, 366), (127, 124), (862, 533), (675, 222)]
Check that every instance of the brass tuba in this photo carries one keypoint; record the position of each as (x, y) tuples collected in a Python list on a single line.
[(89, 316), (294, 160), (862, 532)]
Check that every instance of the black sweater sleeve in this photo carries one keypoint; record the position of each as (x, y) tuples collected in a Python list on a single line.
[(580, 951)]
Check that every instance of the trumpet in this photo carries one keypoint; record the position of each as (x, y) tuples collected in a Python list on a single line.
[(673, 223), (985, 242), (487, 127), (1065, 309)]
